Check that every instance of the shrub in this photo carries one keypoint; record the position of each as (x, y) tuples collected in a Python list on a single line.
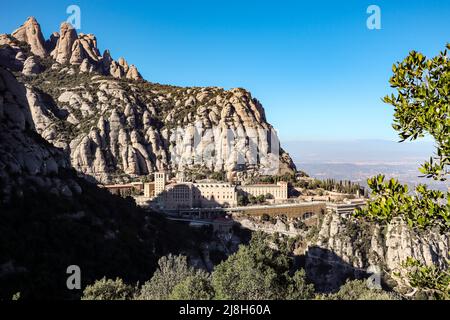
[(172, 271), (358, 290), (107, 289), (195, 287), (433, 282)]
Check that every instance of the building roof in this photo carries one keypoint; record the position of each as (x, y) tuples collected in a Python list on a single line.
[(126, 185)]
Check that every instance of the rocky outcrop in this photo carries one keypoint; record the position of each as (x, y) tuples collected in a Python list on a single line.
[(31, 66), (50, 44), (133, 73), (119, 130), (341, 248), (25, 161), (278, 226), (68, 47), (30, 32), (6, 40), (11, 55), (63, 49), (85, 47), (347, 248)]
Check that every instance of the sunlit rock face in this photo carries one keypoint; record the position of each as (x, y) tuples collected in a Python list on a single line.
[(346, 248), (115, 126)]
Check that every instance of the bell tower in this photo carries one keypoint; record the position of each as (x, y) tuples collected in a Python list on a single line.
[(160, 182)]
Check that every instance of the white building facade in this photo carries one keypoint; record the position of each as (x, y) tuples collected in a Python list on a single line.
[(279, 191)]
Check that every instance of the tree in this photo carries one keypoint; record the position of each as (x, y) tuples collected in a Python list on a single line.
[(260, 199), (257, 271), (172, 270), (108, 289), (242, 200), (298, 288), (433, 282), (358, 290), (195, 287), (252, 199), (391, 199), (422, 105)]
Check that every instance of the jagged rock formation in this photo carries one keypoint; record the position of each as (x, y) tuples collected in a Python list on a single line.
[(115, 126), (342, 248), (63, 49), (345, 247), (13, 53), (30, 32), (68, 47)]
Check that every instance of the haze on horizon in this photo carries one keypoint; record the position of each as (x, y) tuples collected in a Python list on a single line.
[(360, 151)]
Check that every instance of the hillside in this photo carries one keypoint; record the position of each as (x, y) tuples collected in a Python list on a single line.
[(117, 126)]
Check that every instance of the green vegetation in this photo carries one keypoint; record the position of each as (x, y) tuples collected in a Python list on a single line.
[(107, 289), (194, 287), (391, 199), (197, 172), (105, 235), (172, 271), (263, 269), (421, 106), (430, 281), (301, 180), (246, 199), (287, 177), (16, 296), (242, 200), (255, 271), (341, 186), (358, 290)]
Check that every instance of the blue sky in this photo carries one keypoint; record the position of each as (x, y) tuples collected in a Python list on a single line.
[(316, 68)]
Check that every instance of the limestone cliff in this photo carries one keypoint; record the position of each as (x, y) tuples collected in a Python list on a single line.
[(345, 247), (339, 248), (115, 126)]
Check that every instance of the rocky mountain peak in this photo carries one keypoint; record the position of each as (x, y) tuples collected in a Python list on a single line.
[(66, 47), (30, 32), (63, 49)]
